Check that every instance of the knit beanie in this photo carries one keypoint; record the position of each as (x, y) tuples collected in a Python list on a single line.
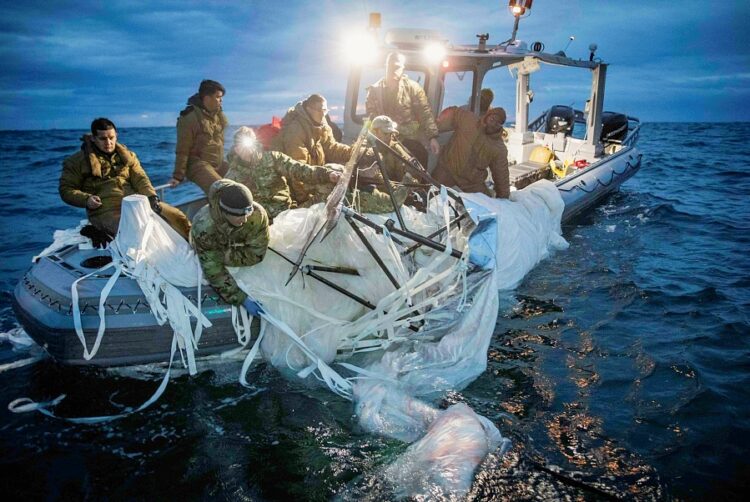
[(236, 200)]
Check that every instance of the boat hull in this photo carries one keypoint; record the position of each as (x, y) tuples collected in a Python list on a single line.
[(42, 304), (42, 300), (589, 186)]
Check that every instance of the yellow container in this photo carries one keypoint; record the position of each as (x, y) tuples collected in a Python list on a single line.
[(541, 155)]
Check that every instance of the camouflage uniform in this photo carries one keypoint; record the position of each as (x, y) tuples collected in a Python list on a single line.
[(407, 106), (270, 177), (464, 161), (111, 178), (200, 145), (394, 166), (220, 245)]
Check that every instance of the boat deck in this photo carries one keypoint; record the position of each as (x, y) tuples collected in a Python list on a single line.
[(526, 173)]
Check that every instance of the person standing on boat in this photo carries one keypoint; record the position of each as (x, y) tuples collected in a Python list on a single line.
[(305, 136), (101, 174), (269, 174), (199, 154), (475, 146), (485, 101), (230, 231), (404, 101)]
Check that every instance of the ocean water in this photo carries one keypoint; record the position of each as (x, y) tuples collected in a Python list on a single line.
[(620, 367)]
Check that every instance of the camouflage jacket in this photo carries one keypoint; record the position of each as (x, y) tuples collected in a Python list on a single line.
[(408, 107), (220, 245), (270, 178), (394, 166), (308, 142), (470, 152), (200, 136), (111, 177)]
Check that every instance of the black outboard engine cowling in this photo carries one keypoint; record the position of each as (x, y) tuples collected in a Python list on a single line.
[(614, 127), (560, 119)]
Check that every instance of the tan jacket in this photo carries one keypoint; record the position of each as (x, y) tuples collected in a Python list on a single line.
[(110, 177), (200, 137), (307, 142), (469, 153)]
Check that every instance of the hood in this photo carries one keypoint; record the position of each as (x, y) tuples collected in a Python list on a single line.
[(297, 112), (213, 198), (193, 102), (90, 150), (500, 113)]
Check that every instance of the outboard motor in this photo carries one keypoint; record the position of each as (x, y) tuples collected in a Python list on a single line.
[(560, 119), (614, 127)]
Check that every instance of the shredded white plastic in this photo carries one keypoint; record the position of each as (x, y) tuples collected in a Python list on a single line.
[(427, 334)]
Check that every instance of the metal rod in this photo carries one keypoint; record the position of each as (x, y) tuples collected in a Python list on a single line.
[(390, 225), (388, 186), (404, 233), (338, 288), (335, 270), (434, 234), (330, 284), (369, 247)]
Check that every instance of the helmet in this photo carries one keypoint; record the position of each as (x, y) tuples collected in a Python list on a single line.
[(384, 123)]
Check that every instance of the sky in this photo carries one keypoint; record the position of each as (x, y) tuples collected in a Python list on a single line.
[(64, 63)]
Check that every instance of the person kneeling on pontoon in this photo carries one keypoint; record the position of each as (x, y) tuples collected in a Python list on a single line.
[(230, 231), (100, 175)]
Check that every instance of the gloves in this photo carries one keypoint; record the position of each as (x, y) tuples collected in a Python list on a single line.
[(99, 238), (155, 203), (253, 308)]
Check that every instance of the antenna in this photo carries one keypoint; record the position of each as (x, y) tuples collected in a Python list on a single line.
[(562, 52)]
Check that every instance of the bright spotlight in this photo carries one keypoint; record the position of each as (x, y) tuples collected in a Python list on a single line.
[(359, 48), (434, 52)]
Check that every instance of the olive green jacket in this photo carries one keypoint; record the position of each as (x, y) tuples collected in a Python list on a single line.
[(269, 179), (200, 137), (470, 152), (307, 142), (408, 107), (111, 177), (220, 245)]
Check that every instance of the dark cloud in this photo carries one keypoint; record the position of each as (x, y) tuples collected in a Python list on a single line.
[(139, 60)]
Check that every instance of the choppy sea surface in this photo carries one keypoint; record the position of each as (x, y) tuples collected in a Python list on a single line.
[(620, 368)]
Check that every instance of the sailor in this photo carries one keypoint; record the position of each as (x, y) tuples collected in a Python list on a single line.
[(306, 136), (404, 100), (385, 129), (269, 174), (230, 231), (485, 101), (475, 146), (101, 174), (199, 154)]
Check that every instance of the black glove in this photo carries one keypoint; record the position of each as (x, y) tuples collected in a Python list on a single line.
[(99, 238), (155, 203)]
